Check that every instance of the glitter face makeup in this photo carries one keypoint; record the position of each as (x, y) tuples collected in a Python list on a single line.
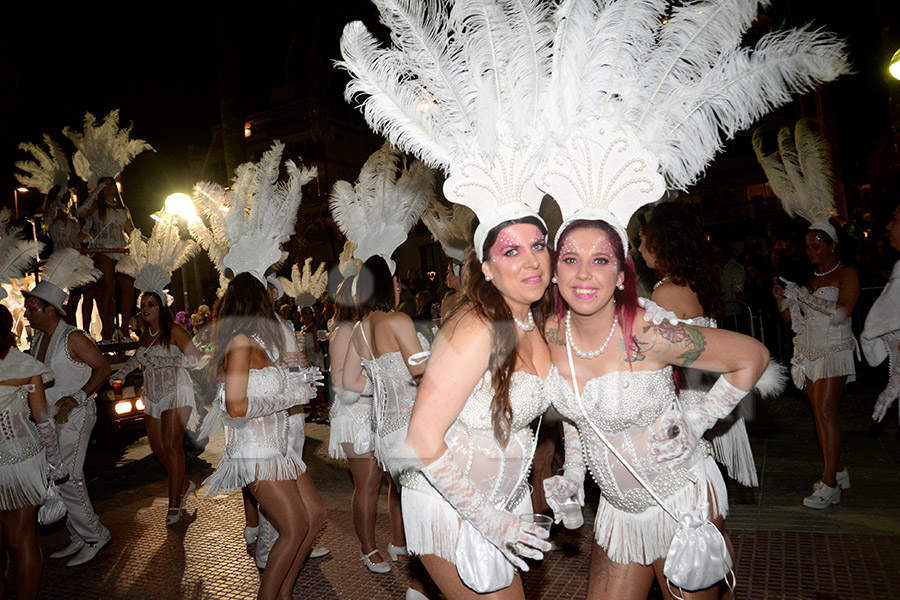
[(519, 263), (587, 270)]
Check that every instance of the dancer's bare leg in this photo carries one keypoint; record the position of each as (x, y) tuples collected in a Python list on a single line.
[(127, 301), (20, 540), (283, 506), (106, 294), (446, 577), (366, 484), (173, 423), (825, 396)]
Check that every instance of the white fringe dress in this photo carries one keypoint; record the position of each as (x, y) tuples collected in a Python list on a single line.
[(431, 523), (627, 406), (167, 384), (824, 346), (23, 463)]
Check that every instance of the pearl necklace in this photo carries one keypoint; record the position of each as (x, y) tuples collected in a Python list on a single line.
[(525, 326), (660, 282), (828, 272), (153, 334), (578, 351)]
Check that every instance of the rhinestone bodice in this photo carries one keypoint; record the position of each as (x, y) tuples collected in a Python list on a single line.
[(525, 394)]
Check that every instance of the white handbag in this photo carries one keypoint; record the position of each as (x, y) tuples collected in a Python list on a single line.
[(53, 508), (698, 556)]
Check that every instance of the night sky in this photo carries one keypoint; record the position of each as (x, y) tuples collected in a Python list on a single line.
[(158, 65)]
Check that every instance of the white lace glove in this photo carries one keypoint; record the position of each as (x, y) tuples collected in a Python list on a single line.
[(512, 536), (302, 383), (656, 314), (890, 393), (130, 365), (560, 488), (680, 431), (792, 291), (47, 430)]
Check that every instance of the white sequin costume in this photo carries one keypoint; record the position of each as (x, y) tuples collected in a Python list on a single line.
[(627, 406), (824, 347), (167, 384), (431, 523), (23, 464), (351, 418), (109, 233), (64, 234)]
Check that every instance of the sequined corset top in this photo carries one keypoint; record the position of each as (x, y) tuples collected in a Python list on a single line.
[(268, 431), (394, 391), (821, 334)]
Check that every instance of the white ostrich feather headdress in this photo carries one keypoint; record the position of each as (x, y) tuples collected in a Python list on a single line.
[(451, 226), (247, 223), (208, 230), (152, 261), (461, 88), (104, 150), (640, 103), (799, 170), (16, 253), (386, 202), (347, 265), (65, 270), (306, 287), (51, 168)]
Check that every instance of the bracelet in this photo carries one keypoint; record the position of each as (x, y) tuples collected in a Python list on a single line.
[(80, 397)]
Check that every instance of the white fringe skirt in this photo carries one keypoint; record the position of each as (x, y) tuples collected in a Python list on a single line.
[(177, 399), (351, 424), (23, 473)]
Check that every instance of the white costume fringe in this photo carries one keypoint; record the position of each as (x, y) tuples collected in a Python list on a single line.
[(351, 423), (23, 483), (178, 398)]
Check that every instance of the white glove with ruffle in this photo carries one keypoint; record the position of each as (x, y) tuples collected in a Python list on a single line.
[(561, 488), (889, 395)]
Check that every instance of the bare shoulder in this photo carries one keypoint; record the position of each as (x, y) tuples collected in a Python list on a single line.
[(466, 326), (83, 347)]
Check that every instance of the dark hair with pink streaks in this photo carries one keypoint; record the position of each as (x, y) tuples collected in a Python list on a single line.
[(626, 300)]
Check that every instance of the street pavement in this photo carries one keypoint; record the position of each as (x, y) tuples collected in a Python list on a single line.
[(784, 550)]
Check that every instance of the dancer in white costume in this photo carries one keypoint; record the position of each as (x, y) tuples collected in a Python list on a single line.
[(799, 171)]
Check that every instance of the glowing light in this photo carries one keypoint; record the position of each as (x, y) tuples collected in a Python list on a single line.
[(249, 129), (665, 20), (895, 65), (139, 404), (181, 205), (22, 189), (123, 408)]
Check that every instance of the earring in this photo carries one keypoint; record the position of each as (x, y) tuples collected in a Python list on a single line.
[(554, 279), (620, 287), (487, 277)]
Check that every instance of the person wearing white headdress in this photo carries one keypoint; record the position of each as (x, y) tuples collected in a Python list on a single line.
[(256, 388), (165, 352), (103, 152), (799, 172), (78, 371)]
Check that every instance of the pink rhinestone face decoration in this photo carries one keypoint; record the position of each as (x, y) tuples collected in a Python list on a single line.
[(511, 241), (601, 249)]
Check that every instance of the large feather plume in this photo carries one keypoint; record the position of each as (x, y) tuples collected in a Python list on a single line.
[(16, 253), (51, 168), (306, 287), (209, 231), (68, 269), (152, 261), (104, 150), (798, 168), (259, 211), (451, 226), (385, 203)]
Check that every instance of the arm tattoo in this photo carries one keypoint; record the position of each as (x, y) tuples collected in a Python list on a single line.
[(682, 337), (553, 337)]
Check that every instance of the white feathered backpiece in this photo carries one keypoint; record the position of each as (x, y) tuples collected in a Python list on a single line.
[(799, 169), (258, 212), (451, 226), (347, 265), (51, 168), (16, 253), (68, 269), (152, 261), (386, 202), (103, 150), (305, 287), (209, 230)]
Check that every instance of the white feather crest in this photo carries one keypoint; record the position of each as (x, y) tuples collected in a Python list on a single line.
[(451, 226), (306, 287), (260, 212), (16, 253), (151, 262), (104, 150), (51, 168), (385, 203), (347, 265), (209, 231), (68, 269), (799, 169)]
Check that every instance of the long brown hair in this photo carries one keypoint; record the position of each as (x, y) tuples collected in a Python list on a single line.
[(101, 203), (245, 309), (482, 297), (7, 339), (345, 309), (166, 320)]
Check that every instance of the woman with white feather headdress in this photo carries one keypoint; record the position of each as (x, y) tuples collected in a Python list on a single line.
[(799, 171), (258, 383), (103, 152), (165, 352), (376, 213)]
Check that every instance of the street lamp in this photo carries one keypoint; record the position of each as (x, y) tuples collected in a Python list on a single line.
[(895, 65), (181, 205), (16, 197)]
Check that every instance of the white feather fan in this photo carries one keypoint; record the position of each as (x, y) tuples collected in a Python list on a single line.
[(104, 150), (68, 269), (151, 262), (51, 168), (451, 226), (306, 287), (16, 253), (347, 265), (385, 203), (209, 231)]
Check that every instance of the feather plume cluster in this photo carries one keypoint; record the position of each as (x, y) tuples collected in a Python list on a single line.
[(104, 150), (209, 230), (799, 169), (51, 168), (247, 223), (347, 265), (16, 253), (386, 202), (306, 287), (68, 269), (152, 261), (451, 226)]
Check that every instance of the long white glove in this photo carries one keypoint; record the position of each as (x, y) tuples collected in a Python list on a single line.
[(800, 294), (302, 383), (560, 488), (130, 365), (656, 314), (47, 430), (890, 393), (299, 389), (512, 536), (680, 431)]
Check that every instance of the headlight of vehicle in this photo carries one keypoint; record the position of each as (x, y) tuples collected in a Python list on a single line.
[(139, 404), (123, 407)]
